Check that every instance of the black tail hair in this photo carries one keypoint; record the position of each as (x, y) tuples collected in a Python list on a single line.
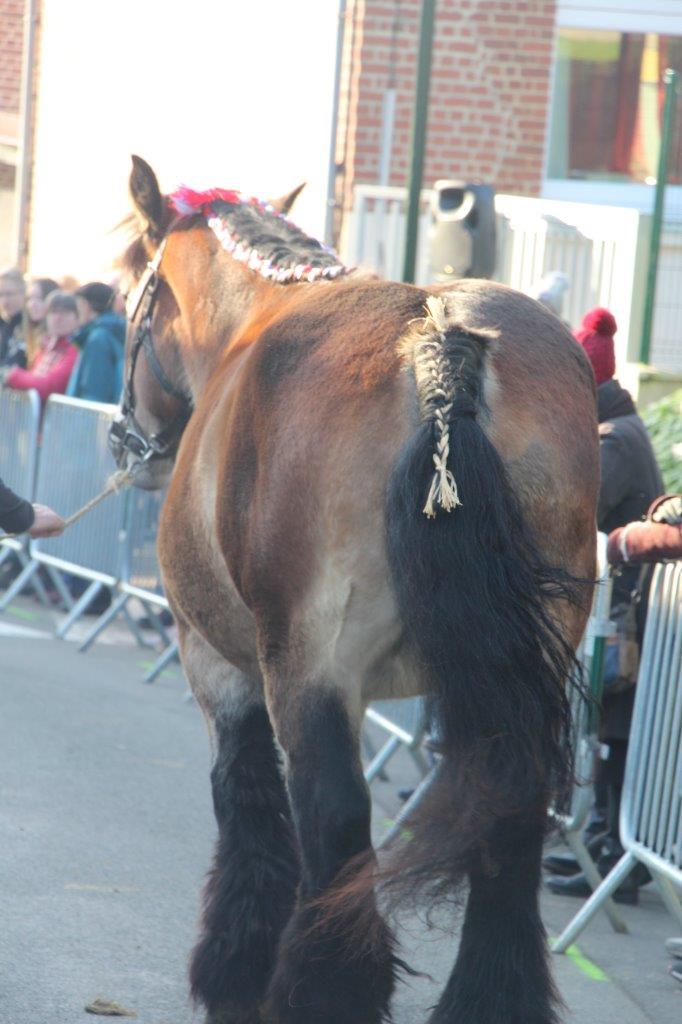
[(476, 599)]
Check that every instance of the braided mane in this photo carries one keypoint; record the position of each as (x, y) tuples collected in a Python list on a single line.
[(254, 233)]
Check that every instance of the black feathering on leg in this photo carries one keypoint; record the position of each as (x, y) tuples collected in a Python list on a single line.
[(502, 973), (250, 892), (319, 977), (336, 961)]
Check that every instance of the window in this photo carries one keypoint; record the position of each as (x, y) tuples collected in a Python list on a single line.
[(608, 104)]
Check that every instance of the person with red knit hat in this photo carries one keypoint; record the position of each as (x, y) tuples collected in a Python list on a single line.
[(595, 334), (630, 482), (630, 477)]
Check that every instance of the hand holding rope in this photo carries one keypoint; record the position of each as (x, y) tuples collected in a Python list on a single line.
[(116, 482)]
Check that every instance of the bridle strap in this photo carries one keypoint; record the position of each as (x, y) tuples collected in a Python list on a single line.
[(157, 369), (143, 289), (128, 430)]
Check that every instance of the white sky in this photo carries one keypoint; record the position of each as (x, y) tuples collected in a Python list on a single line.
[(231, 94)]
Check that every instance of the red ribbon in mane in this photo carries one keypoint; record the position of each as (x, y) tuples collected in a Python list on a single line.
[(186, 200)]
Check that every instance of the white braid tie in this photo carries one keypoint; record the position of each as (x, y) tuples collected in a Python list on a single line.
[(443, 490)]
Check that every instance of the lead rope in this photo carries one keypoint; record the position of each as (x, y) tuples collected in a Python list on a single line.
[(116, 482)]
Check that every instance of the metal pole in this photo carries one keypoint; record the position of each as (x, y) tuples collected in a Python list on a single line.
[(331, 174), (23, 185), (418, 136), (670, 78)]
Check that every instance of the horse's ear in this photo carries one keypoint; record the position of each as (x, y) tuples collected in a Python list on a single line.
[(146, 196), (284, 203)]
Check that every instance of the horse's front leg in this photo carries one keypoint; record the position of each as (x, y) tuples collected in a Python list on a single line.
[(335, 963), (251, 887), (502, 973)]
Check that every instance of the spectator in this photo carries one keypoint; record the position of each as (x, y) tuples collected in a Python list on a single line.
[(52, 366), (12, 344), (630, 481), (657, 538), (68, 283), (35, 310), (630, 477), (98, 375), (20, 516)]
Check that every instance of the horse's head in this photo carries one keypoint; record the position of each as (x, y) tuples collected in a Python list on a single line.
[(188, 297), (156, 402)]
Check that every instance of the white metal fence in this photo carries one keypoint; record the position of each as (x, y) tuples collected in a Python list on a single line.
[(114, 546), (651, 807)]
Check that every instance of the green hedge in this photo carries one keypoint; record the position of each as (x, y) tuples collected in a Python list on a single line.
[(664, 423)]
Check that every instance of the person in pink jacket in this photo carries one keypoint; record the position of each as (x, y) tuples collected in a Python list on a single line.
[(51, 368)]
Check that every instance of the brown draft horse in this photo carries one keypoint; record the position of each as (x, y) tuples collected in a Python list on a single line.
[(381, 490)]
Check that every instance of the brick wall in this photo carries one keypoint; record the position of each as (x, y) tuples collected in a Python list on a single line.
[(11, 41), (12, 14), (490, 82), (11, 45)]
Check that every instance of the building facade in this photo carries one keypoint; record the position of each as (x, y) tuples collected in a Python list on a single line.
[(11, 48), (552, 98)]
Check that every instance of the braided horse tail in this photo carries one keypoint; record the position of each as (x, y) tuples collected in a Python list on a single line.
[(475, 597)]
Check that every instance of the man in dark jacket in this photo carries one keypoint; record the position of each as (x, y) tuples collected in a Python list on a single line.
[(19, 516), (630, 481)]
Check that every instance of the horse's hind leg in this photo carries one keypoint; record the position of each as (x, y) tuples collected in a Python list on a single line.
[(335, 962), (502, 974), (251, 887)]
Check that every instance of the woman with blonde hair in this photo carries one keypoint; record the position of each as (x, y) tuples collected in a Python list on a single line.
[(35, 310), (52, 366)]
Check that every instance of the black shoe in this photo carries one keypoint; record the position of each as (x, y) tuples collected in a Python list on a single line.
[(578, 886), (164, 617), (639, 875), (9, 570), (565, 864), (99, 603)]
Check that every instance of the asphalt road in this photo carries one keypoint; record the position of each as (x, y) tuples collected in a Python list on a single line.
[(106, 831)]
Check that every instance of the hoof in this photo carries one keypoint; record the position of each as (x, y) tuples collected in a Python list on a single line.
[(316, 981), (228, 1016)]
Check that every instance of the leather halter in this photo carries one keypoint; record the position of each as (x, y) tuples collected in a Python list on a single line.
[(126, 433)]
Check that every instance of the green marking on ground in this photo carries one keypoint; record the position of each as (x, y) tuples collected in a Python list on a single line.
[(585, 965), (146, 665), (21, 613)]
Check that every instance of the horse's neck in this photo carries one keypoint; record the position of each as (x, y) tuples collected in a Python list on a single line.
[(216, 300)]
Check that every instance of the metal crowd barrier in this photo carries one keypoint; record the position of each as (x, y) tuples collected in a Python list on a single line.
[(651, 805), (113, 546), (572, 819), (140, 574), (74, 465), (19, 429), (405, 721)]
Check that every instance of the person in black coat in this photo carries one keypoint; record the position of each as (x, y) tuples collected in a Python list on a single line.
[(630, 481), (19, 516)]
